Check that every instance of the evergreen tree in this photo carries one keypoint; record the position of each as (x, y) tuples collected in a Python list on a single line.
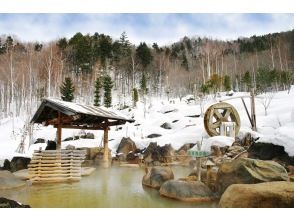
[(67, 89), (107, 85), (246, 79), (144, 55), (97, 97), (135, 97), (143, 84), (227, 83)]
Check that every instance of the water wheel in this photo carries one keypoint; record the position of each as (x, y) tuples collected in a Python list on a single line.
[(218, 113)]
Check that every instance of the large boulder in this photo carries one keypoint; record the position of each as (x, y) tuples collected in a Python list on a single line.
[(261, 195), (8, 203), (126, 146), (156, 176), (268, 151), (9, 181), (189, 191), (19, 163), (245, 170), (156, 154)]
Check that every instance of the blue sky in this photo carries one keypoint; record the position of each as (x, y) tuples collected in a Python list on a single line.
[(162, 28)]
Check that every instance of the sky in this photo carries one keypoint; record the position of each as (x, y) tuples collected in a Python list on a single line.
[(163, 28)]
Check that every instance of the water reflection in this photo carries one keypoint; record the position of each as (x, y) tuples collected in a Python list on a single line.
[(114, 187)]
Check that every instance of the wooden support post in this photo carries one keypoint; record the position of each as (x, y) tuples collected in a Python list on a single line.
[(198, 163), (59, 130), (105, 144), (253, 117)]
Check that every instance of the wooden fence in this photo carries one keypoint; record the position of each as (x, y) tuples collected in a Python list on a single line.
[(56, 166)]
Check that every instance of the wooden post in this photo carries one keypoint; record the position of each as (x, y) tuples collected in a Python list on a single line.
[(59, 130), (198, 163), (253, 117), (105, 144)]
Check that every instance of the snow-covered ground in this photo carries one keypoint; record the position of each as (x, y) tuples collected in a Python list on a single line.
[(277, 127)]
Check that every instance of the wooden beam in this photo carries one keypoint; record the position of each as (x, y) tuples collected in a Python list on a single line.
[(59, 130), (81, 127), (65, 119), (250, 119), (105, 145)]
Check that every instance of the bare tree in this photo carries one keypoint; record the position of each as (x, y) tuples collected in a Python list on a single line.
[(266, 100)]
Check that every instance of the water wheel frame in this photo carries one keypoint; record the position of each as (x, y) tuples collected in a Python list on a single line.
[(220, 112)]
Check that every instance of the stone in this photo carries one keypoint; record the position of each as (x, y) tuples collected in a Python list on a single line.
[(51, 145), (8, 203), (166, 125), (22, 174), (126, 146), (245, 170), (39, 140), (87, 171), (70, 147), (247, 140), (261, 195), (186, 147), (19, 163), (174, 121), (153, 135), (268, 151), (89, 135), (6, 165), (9, 181), (154, 153), (188, 191), (215, 151), (68, 139), (156, 176)]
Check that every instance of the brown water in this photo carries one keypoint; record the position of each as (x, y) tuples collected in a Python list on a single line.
[(108, 188)]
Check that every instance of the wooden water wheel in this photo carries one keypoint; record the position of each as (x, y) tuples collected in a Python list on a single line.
[(218, 113)]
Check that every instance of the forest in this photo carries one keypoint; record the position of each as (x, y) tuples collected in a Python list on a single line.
[(30, 71)]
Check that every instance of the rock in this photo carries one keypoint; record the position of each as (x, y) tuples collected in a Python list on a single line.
[(268, 151), (9, 181), (22, 174), (132, 158), (237, 142), (247, 140), (174, 121), (7, 203), (215, 151), (70, 147), (51, 145), (186, 147), (19, 163), (245, 170), (88, 136), (160, 154), (189, 191), (68, 139), (166, 125), (125, 146), (6, 165), (261, 195), (156, 176), (39, 140), (153, 135), (87, 171)]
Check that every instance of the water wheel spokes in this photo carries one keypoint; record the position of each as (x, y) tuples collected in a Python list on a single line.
[(218, 113)]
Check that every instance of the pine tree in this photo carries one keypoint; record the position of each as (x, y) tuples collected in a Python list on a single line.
[(135, 97), (143, 84), (107, 85), (227, 83), (97, 97), (67, 89)]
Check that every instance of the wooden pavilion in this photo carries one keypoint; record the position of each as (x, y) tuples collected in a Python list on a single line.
[(71, 115)]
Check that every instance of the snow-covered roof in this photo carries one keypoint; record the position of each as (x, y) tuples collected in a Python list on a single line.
[(88, 114)]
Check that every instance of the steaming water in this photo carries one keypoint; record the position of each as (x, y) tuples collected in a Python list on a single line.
[(114, 187)]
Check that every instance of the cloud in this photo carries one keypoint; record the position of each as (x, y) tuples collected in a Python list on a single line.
[(162, 28)]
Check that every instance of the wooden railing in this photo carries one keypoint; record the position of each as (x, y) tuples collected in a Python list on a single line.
[(56, 166)]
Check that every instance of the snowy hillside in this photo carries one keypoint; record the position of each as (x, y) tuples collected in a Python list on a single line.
[(277, 127)]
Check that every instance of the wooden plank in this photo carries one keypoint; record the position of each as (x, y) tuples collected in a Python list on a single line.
[(56, 175), (33, 161), (54, 171), (52, 168)]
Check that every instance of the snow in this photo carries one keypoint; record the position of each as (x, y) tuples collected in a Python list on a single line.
[(277, 127)]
